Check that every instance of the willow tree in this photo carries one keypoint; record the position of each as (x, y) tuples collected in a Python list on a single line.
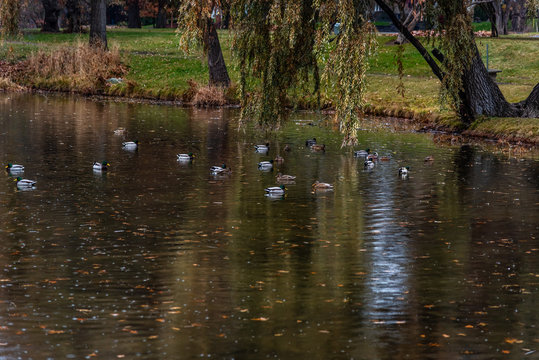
[(283, 43), (197, 27), (9, 17)]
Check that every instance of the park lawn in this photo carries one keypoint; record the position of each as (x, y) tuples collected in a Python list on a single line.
[(158, 69)]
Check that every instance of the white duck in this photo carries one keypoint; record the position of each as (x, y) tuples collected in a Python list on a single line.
[(130, 145)]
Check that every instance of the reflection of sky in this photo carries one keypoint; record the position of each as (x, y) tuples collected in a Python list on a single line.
[(387, 278)]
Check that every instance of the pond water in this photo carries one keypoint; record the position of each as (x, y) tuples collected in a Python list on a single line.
[(157, 259)]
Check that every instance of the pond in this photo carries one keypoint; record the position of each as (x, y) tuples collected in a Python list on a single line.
[(159, 259)]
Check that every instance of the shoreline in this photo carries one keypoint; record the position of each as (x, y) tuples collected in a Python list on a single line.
[(408, 123)]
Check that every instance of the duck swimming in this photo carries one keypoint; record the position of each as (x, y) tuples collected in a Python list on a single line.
[(369, 164), (265, 165), (361, 153), (373, 156), (322, 186), (130, 145), (185, 157), (220, 170), (25, 183), (316, 147), (403, 171), (310, 142), (101, 166), (262, 148), (275, 190), (285, 178), (14, 168)]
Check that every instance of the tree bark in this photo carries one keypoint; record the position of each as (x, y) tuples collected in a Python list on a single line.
[(52, 12), (480, 94), (161, 21), (216, 62), (98, 23), (133, 14), (489, 9), (74, 16), (518, 10), (502, 16)]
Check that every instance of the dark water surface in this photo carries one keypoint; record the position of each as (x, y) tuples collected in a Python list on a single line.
[(161, 260)]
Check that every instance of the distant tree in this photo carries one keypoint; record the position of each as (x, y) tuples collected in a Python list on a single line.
[(161, 20), (410, 15), (197, 25), (74, 11), (52, 12), (498, 12), (133, 14), (98, 22), (518, 12), (9, 17)]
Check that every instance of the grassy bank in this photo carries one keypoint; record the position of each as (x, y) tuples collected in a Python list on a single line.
[(155, 68)]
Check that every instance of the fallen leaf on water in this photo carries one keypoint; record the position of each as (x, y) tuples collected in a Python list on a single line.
[(513, 341), (260, 319)]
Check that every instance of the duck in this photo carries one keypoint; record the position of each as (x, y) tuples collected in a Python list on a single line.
[(287, 148), (361, 153), (322, 186), (130, 145), (373, 156), (429, 158), (101, 166), (403, 171), (220, 170), (310, 142), (278, 159), (119, 131), (316, 147), (265, 165), (25, 183), (285, 178), (369, 164), (14, 168), (262, 148), (185, 157), (275, 190)]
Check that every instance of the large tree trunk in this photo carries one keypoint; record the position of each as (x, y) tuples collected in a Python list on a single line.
[(73, 16), (480, 94), (518, 10), (161, 21), (98, 23), (501, 12), (133, 14), (216, 62), (52, 12)]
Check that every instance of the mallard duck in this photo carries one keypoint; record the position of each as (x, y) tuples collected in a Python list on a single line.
[(25, 183), (310, 142), (262, 148), (279, 159), (130, 145), (429, 158), (220, 170), (287, 148), (369, 164), (14, 168), (265, 165), (284, 178), (373, 156), (185, 157), (316, 147), (275, 190), (322, 186), (361, 153), (403, 171), (101, 166)]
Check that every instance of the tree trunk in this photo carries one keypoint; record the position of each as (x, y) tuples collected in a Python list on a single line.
[(133, 14), (161, 21), (410, 22), (216, 62), (502, 16), (480, 94), (518, 9), (9, 18), (52, 12), (489, 9), (74, 16), (98, 23)]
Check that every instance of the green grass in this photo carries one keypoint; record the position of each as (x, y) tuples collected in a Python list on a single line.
[(159, 69)]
